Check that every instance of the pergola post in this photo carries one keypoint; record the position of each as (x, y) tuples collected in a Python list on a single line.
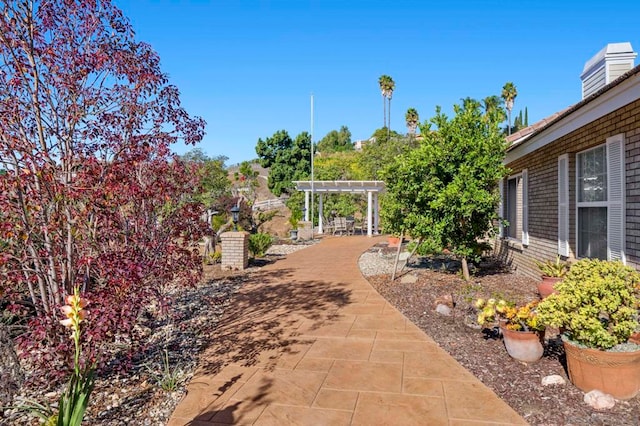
[(320, 230), (306, 206), (369, 213), (376, 205)]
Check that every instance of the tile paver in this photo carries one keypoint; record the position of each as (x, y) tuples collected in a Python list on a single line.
[(308, 341)]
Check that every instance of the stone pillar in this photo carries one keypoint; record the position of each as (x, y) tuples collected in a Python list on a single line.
[(305, 232), (235, 250)]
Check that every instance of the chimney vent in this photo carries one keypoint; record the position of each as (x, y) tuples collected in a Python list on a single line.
[(606, 66)]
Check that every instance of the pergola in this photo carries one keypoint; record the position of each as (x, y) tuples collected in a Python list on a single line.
[(371, 187)]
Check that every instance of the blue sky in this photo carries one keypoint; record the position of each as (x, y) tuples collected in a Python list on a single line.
[(249, 67)]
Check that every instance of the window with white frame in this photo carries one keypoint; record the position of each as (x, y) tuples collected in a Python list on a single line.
[(515, 206), (600, 201)]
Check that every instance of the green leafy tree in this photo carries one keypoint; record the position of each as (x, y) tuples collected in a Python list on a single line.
[(445, 191), (245, 182), (509, 94), (214, 181), (336, 141), (383, 149), (493, 105), (286, 158), (341, 166)]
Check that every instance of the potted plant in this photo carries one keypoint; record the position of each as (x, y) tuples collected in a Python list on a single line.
[(552, 273), (596, 305), (295, 217), (520, 326)]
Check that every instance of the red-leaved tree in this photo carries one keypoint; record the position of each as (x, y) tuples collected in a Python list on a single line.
[(90, 194)]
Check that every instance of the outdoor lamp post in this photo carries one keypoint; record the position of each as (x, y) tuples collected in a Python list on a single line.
[(235, 212)]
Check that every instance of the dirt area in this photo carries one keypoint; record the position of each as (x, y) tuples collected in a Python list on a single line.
[(426, 281)]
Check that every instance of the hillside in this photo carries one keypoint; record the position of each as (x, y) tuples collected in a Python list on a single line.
[(279, 225)]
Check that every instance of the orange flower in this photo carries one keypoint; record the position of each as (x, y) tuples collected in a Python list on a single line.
[(74, 312)]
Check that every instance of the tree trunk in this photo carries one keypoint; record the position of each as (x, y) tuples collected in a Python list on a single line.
[(465, 269), (395, 264), (389, 120), (384, 108), (9, 368)]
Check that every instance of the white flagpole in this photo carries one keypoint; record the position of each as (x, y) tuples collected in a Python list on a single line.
[(312, 184)]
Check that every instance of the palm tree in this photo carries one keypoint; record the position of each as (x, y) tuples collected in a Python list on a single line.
[(390, 86), (509, 93), (412, 119), (386, 87), (493, 105), (383, 81)]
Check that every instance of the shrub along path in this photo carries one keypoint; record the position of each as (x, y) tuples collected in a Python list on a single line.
[(309, 341)]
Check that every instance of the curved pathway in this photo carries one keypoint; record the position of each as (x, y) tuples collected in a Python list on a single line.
[(308, 341)]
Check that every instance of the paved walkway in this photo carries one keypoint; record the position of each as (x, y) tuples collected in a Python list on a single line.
[(309, 342)]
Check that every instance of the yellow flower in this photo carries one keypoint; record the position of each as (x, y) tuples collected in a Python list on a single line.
[(479, 303)]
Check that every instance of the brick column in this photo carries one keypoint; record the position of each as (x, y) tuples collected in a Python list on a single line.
[(235, 250)]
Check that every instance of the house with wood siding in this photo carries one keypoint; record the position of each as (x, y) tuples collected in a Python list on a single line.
[(574, 185)]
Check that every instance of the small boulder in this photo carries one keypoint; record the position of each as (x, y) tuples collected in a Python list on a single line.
[(443, 310), (446, 299), (409, 279), (554, 379), (599, 400)]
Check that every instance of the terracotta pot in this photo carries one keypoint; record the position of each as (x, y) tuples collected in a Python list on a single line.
[(394, 241), (615, 373), (547, 286), (525, 346)]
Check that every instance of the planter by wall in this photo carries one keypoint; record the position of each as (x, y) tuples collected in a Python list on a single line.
[(546, 286), (394, 241), (615, 373), (525, 346)]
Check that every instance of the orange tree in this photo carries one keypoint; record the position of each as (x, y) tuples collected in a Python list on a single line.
[(445, 191)]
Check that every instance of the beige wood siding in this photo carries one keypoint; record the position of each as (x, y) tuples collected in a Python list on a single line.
[(594, 82), (616, 70), (542, 166)]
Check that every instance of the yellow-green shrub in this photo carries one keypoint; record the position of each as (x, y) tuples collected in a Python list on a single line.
[(597, 303)]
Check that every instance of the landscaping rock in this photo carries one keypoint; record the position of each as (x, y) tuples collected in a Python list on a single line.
[(554, 379), (599, 400), (408, 279), (443, 310)]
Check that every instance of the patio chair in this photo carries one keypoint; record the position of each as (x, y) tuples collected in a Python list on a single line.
[(339, 225), (327, 225)]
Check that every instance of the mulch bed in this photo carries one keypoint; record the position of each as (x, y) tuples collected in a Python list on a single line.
[(426, 281)]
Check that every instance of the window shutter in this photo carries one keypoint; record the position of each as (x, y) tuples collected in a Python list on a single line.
[(563, 205), (501, 208), (525, 207), (615, 198)]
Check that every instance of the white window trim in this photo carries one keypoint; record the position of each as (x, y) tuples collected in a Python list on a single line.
[(501, 209), (525, 207), (619, 138), (524, 225), (563, 206)]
